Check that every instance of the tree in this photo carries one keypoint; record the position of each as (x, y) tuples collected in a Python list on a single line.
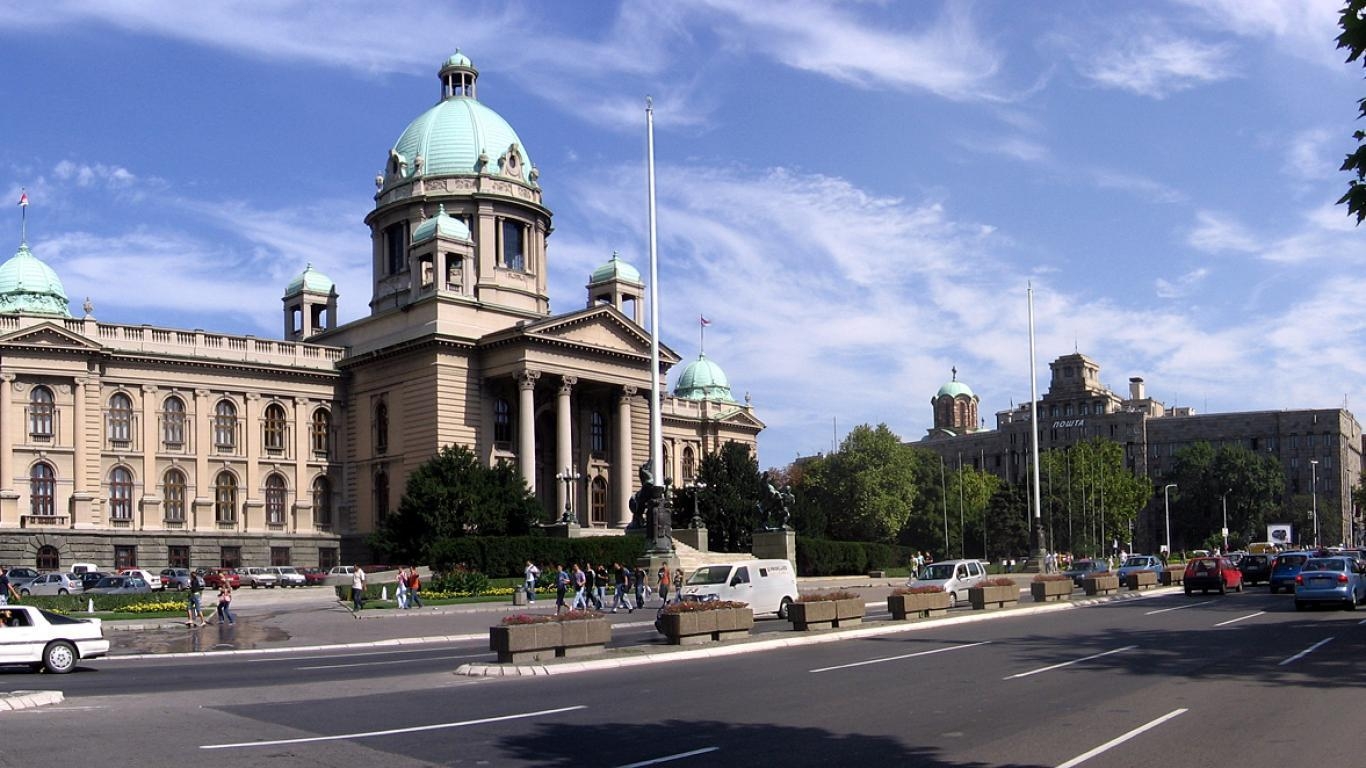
[(729, 503), (1251, 483), (1090, 499), (1007, 520), (868, 487), (453, 495), (1353, 40)]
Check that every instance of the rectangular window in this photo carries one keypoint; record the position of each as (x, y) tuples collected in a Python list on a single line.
[(514, 245), (396, 248), (230, 557), (178, 556), (125, 556), (328, 557), (279, 556)]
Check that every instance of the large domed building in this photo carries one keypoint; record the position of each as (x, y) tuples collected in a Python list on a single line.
[(133, 445)]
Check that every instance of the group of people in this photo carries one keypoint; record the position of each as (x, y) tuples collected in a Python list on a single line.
[(588, 585), (194, 610), (408, 591)]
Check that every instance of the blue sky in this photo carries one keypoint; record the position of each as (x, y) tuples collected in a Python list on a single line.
[(855, 194)]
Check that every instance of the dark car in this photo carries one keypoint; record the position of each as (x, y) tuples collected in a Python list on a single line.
[(1285, 568), (1256, 569), (1212, 573), (91, 578), (1080, 569)]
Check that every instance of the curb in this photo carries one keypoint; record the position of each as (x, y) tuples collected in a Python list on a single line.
[(754, 646), (13, 700)]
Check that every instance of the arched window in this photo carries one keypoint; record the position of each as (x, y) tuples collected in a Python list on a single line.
[(381, 427), (689, 464), (49, 559), (322, 425), (173, 496), (275, 500), (322, 502), (225, 498), (173, 422), (40, 412), (42, 483), (274, 436), (513, 234), (120, 418), (225, 426), (381, 496), (120, 494), (665, 465), (597, 502), (502, 422), (597, 433)]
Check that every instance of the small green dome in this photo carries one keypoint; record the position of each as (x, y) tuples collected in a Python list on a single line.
[(30, 287), (616, 269), (955, 388), (310, 280), (459, 59), (703, 380), (442, 224)]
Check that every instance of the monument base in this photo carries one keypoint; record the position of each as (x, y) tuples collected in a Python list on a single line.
[(776, 545), (693, 537), (563, 530)]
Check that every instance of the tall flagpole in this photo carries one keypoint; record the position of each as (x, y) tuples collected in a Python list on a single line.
[(23, 215), (1041, 549), (656, 423)]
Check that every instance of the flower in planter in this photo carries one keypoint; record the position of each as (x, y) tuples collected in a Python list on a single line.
[(923, 589), (543, 618), (999, 581), (695, 606), (1052, 577), (820, 597)]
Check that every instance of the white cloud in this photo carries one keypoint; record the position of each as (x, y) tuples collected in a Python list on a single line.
[(1304, 28), (1158, 65), (1182, 286), (1215, 233), (114, 177), (1308, 157)]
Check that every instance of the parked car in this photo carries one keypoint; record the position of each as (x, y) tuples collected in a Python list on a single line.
[(53, 584), (258, 577), (1206, 573), (45, 640), (315, 576), (341, 570), (153, 580), (288, 576), (1340, 580), (19, 574), (1137, 563), (1080, 569), (1256, 569), (175, 578), (91, 578), (216, 578), (120, 585), (1285, 568), (955, 576)]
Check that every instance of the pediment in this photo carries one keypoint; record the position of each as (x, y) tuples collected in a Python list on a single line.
[(601, 328), (741, 418), (48, 336)]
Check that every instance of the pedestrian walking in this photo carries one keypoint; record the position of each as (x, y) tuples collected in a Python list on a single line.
[(561, 586), (225, 604), (580, 584), (638, 581), (401, 587), (414, 587), (590, 586), (602, 585), (357, 589), (663, 582), (6, 588), (619, 575), (530, 575), (678, 584), (194, 608)]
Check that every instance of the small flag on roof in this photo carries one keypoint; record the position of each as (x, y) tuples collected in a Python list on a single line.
[(23, 198), (705, 322)]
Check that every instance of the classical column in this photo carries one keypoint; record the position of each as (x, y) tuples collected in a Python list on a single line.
[(526, 427), (564, 455), (623, 474), (303, 451), (150, 503), (203, 499), (8, 418), (251, 446), (85, 510)]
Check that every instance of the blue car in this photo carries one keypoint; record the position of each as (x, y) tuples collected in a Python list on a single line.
[(1136, 563), (1285, 568), (1338, 580)]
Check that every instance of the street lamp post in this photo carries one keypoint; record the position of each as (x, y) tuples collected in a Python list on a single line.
[(1224, 499), (568, 477), (697, 487), (1167, 506), (1314, 492)]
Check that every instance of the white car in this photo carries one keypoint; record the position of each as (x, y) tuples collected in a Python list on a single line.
[(288, 576), (955, 576), (152, 579), (258, 577), (45, 640)]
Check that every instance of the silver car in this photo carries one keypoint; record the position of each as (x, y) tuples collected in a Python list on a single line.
[(955, 576), (258, 577), (53, 584), (288, 576), (120, 585), (1338, 580)]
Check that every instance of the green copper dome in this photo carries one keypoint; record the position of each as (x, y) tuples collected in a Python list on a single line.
[(616, 269), (459, 136), (30, 287), (955, 388), (703, 380), (442, 224), (310, 280)]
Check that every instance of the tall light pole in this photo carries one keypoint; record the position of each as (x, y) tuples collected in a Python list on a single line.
[(1167, 505), (1224, 498), (1314, 491), (697, 487), (568, 477)]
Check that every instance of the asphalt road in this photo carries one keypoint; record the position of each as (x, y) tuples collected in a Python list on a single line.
[(1170, 680)]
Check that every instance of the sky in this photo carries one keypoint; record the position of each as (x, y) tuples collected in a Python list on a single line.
[(857, 195)]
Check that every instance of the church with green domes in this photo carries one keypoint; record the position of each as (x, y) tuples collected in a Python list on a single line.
[(135, 445)]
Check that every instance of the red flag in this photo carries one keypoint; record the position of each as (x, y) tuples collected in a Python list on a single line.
[(705, 322), (23, 199)]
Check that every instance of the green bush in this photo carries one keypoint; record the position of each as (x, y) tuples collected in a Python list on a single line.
[(820, 557), (144, 603), (506, 556)]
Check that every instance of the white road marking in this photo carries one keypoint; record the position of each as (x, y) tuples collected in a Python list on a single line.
[(394, 661), (393, 731), (1178, 608), (903, 656), (1359, 623), (1306, 651), (670, 758), (1069, 663), (1079, 759), (1240, 618)]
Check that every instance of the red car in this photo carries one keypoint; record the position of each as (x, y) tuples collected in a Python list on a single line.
[(1206, 573), (315, 576), (215, 579)]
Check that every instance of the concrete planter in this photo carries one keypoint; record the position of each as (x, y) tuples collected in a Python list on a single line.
[(697, 627), (522, 643), (1172, 577), (1140, 580), (1050, 591), (992, 597), (826, 614), (1100, 585), (918, 606)]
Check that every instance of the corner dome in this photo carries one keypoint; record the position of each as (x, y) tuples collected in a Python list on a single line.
[(442, 224), (30, 287), (703, 380), (615, 269), (310, 280), (955, 389)]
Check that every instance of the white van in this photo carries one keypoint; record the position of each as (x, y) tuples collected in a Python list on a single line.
[(83, 568), (955, 576), (768, 586)]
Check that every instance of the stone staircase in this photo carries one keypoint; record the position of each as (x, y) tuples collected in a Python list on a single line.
[(691, 559)]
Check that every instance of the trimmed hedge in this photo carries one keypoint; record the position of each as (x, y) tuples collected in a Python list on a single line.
[(820, 557), (502, 556)]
